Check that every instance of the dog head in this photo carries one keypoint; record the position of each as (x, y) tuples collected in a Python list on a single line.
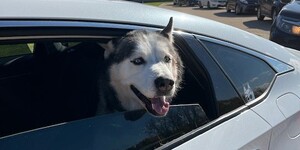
[(144, 69)]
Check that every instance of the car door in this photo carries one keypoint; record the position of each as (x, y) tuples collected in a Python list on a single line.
[(244, 128)]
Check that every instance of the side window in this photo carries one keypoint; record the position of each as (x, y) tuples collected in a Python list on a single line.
[(7, 50), (59, 83), (250, 75)]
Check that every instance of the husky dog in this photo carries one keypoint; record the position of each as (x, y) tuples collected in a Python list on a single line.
[(144, 70)]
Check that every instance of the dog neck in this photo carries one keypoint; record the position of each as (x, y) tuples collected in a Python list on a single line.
[(108, 102)]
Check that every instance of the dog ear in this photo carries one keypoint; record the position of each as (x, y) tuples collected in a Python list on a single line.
[(109, 48), (167, 31)]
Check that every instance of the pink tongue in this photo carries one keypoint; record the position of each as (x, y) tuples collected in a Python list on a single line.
[(160, 106)]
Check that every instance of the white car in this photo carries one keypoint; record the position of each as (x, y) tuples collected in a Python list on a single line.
[(240, 91), (184, 2), (212, 3)]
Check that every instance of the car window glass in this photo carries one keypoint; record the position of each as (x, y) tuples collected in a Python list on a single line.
[(120, 130), (15, 49), (250, 75)]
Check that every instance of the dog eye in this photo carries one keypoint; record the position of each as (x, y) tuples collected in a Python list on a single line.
[(138, 61), (167, 59)]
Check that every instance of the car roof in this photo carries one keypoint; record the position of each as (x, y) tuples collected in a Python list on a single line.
[(117, 11)]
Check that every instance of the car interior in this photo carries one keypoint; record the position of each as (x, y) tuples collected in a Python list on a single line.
[(58, 82)]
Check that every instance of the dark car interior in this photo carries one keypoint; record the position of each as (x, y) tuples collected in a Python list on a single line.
[(49, 87), (58, 83)]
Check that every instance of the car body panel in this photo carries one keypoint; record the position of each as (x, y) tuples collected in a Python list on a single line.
[(280, 133), (276, 92), (289, 105), (283, 103), (226, 137)]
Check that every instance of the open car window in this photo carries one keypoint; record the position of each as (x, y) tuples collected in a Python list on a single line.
[(57, 85), (120, 130), (59, 82)]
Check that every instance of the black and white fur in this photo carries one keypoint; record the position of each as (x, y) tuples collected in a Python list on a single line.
[(143, 70)]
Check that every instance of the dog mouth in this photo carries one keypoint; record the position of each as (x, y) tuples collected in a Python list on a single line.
[(157, 106)]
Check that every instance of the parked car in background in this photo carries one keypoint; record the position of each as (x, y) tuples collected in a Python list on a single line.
[(184, 2), (286, 28), (240, 91), (212, 3), (242, 6), (270, 8)]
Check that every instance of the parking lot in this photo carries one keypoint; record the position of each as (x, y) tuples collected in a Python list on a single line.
[(246, 22)]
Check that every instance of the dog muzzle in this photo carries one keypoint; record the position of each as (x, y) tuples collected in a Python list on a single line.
[(157, 106)]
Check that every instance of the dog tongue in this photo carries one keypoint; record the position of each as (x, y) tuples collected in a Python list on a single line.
[(160, 105)]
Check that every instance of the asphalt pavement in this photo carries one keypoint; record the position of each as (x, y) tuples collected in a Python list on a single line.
[(247, 22)]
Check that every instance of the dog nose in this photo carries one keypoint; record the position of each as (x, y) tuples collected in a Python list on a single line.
[(164, 85)]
